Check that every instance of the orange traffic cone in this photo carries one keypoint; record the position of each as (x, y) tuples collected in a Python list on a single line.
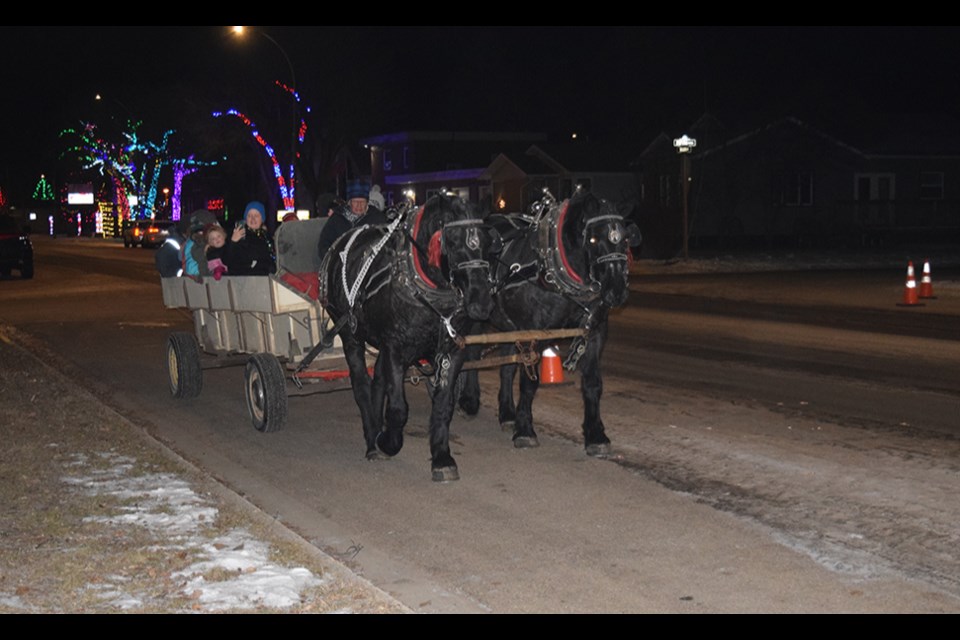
[(551, 369), (926, 283), (910, 295)]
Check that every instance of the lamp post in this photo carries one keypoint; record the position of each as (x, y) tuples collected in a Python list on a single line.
[(684, 145), (239, 32)]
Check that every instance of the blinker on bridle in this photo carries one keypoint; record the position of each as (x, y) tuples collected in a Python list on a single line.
[(472, 242)]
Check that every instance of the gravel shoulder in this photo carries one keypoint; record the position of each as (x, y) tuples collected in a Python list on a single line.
[(96, 517)]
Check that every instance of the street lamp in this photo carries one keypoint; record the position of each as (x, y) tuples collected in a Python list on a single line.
[(684, 145), (239, 32)]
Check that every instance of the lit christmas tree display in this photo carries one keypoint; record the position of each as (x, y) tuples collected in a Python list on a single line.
[(43, 191)]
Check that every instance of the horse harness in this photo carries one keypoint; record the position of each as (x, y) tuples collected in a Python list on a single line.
[(407, 266), (551, 269)]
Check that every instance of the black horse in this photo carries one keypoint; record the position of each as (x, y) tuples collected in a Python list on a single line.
[(408, 289), (564, 267)]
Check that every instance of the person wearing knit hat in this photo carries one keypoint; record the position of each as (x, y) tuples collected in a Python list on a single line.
[(250, 250), (354, 213), (376, 198)]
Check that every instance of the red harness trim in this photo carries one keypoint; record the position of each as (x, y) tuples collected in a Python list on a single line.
[(563, 254), (416, 253)]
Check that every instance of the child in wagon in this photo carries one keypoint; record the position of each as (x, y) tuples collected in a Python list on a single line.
[(216, 241)]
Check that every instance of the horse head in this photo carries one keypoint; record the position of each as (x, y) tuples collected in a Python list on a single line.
[(459, 246), (598, 239)]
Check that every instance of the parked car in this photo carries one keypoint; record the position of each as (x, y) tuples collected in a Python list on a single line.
[(156, 233), (132, 232), (16, 250)]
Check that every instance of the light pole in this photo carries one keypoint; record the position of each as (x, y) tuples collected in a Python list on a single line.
[(684, 145), (239, 32)]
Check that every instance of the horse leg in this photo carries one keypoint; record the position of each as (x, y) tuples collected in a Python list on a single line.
[(370, 415), (506, 410), (469, 382), (442, 464), (524, 437), (390, 440), (595, 438)]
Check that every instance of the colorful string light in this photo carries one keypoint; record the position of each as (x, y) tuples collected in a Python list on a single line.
[(286, 193)]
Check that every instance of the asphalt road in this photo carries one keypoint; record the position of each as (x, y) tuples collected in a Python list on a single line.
[(765, 459)]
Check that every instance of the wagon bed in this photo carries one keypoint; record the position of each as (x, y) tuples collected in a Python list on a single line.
[(268, 324)]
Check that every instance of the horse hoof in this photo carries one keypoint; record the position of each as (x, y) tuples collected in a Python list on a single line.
[(509, 425), (386, 447), (446, 474), (601, 450), (377, 455), (526, 442)]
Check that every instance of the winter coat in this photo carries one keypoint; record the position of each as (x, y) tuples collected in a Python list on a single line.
[(339, 223), (252, 255), (194, 260)]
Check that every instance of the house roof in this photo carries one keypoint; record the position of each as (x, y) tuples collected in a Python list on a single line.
[(897, 136), (662, 141), (454, 136), (913, 135), (583, 157), (516, 164)]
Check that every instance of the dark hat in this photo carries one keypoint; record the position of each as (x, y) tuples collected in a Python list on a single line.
[(290, 217), (201, 218), (358, 189)]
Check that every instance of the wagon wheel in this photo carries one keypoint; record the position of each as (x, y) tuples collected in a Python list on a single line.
[(266, 392), (183, 365)]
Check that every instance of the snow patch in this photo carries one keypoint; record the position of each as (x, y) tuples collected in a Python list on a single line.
[(171, 510)]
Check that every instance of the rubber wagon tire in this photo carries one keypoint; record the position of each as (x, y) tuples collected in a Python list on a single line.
[(183, 365), (265, 387)]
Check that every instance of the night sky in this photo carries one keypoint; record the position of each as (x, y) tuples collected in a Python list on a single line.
[(622, 83)]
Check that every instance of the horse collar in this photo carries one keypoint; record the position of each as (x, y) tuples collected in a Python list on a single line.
[(555, 268), (415, 253), (413, 274)]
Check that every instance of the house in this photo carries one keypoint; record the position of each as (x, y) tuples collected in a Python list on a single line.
[(788, 182), (501, 171), (518, 179), (423, 162)]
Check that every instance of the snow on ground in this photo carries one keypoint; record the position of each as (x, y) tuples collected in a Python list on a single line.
[(804, 261), (173, 513)]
